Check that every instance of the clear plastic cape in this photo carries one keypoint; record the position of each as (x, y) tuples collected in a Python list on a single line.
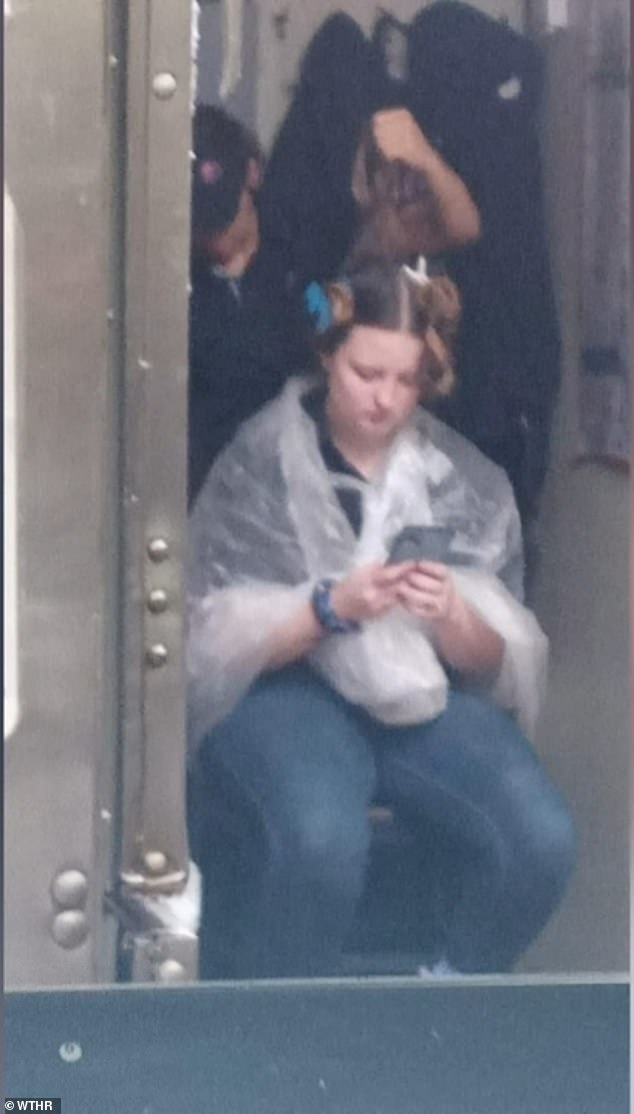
[(268, 524)]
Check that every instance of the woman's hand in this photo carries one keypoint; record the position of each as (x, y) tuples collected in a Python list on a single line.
[(398, 136), (428, 591), (364, 594), (369, 591), (462, 637)]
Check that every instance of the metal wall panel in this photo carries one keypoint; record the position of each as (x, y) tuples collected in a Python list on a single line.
[(13, 296), (58, 818), (97, 159)]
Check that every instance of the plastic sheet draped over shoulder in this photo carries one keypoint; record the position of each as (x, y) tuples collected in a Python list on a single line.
[(268, 524)]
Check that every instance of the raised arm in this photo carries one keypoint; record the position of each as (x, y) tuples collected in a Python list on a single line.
[(398, 137)]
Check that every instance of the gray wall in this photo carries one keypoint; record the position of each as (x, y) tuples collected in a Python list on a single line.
[(242, 101), (582, 597)]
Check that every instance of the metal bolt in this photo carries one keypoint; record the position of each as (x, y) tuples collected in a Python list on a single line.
[(155, 862), (70, 1052), (158, 549), (69, 889), (157, 600), (70, 928), (170, 970), (164, 85), (156, 655)]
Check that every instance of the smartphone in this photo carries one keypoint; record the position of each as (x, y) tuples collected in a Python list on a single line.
[(421, 543)]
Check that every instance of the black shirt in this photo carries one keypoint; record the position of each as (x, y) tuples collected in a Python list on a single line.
[(314, 404)]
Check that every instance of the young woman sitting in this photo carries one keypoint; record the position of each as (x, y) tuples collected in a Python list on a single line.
[(326, 670)]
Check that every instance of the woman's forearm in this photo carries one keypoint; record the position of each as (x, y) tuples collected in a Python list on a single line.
[(467, 643), (459, 217), (294, 637), (364, 594), (398, 136)]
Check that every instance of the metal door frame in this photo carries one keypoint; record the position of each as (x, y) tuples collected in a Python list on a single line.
[(59, 796), (97, 146), (154, 848)]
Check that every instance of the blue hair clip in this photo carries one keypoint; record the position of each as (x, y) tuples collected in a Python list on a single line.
[(318, 306)]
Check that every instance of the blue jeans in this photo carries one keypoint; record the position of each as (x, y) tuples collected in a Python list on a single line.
[(278, 805)]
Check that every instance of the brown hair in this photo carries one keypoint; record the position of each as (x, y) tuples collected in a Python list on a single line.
[(398, 214), (390, 296)]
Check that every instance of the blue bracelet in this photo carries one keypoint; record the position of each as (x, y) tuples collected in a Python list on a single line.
[(326, 616)]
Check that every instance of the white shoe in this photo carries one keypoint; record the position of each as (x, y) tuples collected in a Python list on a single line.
[(441, 969)]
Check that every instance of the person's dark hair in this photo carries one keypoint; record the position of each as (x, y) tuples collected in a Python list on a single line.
[(223, 148), (390, 296)]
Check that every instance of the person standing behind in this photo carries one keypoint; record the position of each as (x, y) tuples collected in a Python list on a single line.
[(246, 333)]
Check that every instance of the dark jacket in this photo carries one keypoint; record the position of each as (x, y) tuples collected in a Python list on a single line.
[(245, 339), (508, 350), (307, 210)]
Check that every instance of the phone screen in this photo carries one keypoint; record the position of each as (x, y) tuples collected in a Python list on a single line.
[(421, 543)]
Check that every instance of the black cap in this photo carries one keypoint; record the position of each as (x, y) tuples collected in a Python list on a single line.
[(223, 148)]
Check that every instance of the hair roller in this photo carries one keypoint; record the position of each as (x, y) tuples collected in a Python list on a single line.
[(438, 364), (341, 303), (424, 296), (446, 301)]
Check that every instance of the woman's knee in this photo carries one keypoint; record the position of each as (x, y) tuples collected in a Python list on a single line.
[(545, 832), (290, 757), (545, 829), (556, 841), (322, 843), (309, 824)]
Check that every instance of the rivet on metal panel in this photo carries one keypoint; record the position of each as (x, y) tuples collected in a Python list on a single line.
[(70, 928), (157, 600), (70, 1052), (164, 85), (155, 861), (158, 549), (70, 889), (156, 655), (170, 970)]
